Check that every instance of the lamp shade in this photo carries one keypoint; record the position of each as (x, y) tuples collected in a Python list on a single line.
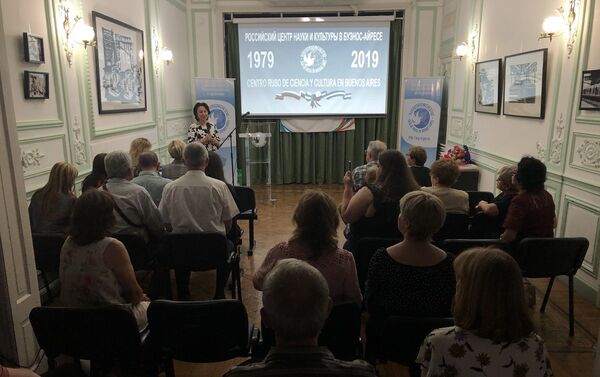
[(462, 50), (83, 33), (552, 25)]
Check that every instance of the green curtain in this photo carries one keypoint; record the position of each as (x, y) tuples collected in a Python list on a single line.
[(321, 157)]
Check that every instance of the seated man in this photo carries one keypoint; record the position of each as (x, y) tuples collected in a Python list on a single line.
[(149, 177), (416, 158), (296, 304), (372, 156), (196, 203)]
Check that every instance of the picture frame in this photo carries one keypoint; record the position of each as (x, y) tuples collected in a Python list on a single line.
[(36, 85), (120, 66), (589, 98), (33, 48), (525, 84), (488, 86)]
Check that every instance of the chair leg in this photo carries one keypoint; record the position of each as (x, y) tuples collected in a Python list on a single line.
[(238, 279), (169, 368), (251, 240), (571, 308), (547, 295)]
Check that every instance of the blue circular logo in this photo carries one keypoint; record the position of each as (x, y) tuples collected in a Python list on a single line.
[(220, 116), (420, 117)]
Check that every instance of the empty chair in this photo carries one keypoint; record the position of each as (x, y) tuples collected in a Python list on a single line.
[(139, 253), (199, 332), (107, 336), (247, 204), (46, 249), (455, 226), (457, 246), (476, 196), (549, 258), (366, 248)]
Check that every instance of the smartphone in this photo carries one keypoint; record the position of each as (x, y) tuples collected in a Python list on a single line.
[(349, 165)]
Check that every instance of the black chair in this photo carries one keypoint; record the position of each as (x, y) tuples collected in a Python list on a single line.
[(365, 250), (46, 249), (468, 180), (403, 336), (457, 246), (549, 258), (108, 336), (199, 332), (455, 226), (204, 252), (247, 203), (138, 250), (476, 196)]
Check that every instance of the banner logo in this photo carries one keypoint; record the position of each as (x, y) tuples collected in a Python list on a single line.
[(313, 59), (420, 117), (219, 116)]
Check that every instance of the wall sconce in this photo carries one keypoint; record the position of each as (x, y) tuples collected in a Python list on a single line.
[(461, 50), (76, 32), (468, 47), (554, 26), (166, 55)]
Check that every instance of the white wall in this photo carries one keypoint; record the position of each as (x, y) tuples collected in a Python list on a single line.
[(567, 140)]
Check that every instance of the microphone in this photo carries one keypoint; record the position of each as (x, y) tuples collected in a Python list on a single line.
[(245, 114)]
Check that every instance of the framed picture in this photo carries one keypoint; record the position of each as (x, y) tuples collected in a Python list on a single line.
[(35, 85), (120, 73), (488, 91), (590, 91), (33, 48), (525, 84)]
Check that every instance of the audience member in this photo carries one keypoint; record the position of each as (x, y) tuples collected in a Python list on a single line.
[(413, 277), (488, 224), (98, 175), (18, 372), (372, 153), (136, 212), (177, 167), (315, 241), (531, 212), (493, 335), (149, 177), (137, 147), (214, 169), (51, 206), (196, 203), (296, 304), (444, 173), (95, 269), (373, 210), (416, 159)]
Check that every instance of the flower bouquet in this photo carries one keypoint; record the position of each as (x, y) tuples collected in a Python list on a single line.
[(459, 154)]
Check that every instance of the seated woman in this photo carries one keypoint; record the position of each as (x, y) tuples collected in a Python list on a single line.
[(177, 167), (444, 173), (315, 241), (531, 212), (138, 146), (95, 269), (51, 206), (98, 175), (493, 335), (416, 158), (373, 210), (488, 223)]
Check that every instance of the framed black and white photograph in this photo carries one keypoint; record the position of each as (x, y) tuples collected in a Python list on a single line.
[(488, 88), (525, 84), (35, 85), (590, 91), (120, 73), (33, 48)]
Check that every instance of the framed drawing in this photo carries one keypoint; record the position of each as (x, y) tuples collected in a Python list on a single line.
[(35, 85), (525, 84), (33, 48), (488, 91), (590, 91), (120, 73)]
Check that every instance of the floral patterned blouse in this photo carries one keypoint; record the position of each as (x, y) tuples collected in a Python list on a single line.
[(196, 132), (453, 351)]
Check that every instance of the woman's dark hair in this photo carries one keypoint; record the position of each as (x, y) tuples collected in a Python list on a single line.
[(197, 105), (98, 175), (92, 217), (531, 174), (396, 178), (214, 169)]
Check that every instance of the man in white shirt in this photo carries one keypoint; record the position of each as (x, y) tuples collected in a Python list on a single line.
[(196, 203)]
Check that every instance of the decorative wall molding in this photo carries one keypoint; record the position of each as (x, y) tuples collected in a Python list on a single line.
[(541, 151), (585, 152), (79, 150), (557, 140), (590, 263), (589, 153), (178, 127), (208, 13), (35, 154), (31, 157), (456, 128)]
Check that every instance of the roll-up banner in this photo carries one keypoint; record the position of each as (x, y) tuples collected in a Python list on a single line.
[(421, 115)]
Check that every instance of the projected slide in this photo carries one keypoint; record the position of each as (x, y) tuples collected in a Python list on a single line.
[(325, 69)]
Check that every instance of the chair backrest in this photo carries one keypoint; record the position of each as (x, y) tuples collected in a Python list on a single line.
[(46, 249), (547, 257), (201, 331), (137, 249), (403, 336), (457, 246), (476, 196), (197, 251), (103, 334), (364, 252), (341, 331), (247, 198), (455, 226)]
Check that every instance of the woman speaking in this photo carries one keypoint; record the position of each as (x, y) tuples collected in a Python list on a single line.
[(202, 130)]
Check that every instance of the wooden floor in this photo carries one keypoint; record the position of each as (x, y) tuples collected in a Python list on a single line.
[(569, 356)]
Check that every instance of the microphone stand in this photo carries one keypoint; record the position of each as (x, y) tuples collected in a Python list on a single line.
[(230, 137)]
